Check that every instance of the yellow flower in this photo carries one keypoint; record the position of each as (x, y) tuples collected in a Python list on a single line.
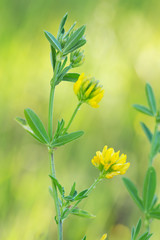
[(110, 163), (88, 90), (104, 236)]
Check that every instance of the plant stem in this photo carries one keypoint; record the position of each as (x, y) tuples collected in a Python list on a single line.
[(56, 200), (50, 131), (73, 116), (51, 100), (151, 156)]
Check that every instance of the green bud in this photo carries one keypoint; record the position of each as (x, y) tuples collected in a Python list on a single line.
[(77, 58)]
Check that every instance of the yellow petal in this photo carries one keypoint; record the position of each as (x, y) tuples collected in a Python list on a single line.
[(78, 83), (104, 150), (104, 236), (122, 159), (108, 155), (89, 90), (95, 161), (112, 174), (117, 166), (124, 168)]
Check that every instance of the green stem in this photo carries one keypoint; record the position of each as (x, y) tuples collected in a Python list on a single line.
[(151, 156), (56, 200), (51, 100), (73, 116), (88, 191)]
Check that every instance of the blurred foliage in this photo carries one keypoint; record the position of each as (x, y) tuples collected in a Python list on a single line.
[(123, 52)]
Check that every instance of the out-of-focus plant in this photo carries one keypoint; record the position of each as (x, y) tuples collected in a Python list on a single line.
[(66, 54), (148, 203)]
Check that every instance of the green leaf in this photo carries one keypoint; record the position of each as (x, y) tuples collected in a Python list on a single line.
[(155, 213), (143, 109), (146, 131), (145, 236), (69, 31), (61, 26), (156, 144), (62, 74), (59, 186), (73, 190), (151, 98), (79, 44), (66, 138), (36, 125), (81, 195), (53, 57), (133, 192), (137, 229), (71, 77), (82, 213), (132, 233), (84, 238), (25, 125), (53, 41), (149, 188), (74, 38)]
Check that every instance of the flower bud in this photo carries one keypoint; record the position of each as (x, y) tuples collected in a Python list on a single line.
[(77, 58)]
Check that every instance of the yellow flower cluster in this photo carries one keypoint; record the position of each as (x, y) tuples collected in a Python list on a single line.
[(110, 163), (88, 90), (104, 236)]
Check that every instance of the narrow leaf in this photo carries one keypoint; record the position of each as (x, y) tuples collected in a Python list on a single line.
[(72, 41), (61, 26), (82, 213), (70, 30), (25, 125), (53, 57), (84, 238), (53, 41), (155, 213), (149, 187), (143, 109), (137, 229), (81, 195), (71, 77), (66, 138), (72, 189), (151, 98), (146, 131), (79, 44), (36, 125), (133, 192), (59, 186)]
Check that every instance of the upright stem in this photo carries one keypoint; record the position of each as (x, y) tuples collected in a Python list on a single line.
[(152, 146), (73, 116), (56, 200), (50, 131), (50, 113)]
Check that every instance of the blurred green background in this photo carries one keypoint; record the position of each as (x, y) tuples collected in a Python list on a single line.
[(123, 52)]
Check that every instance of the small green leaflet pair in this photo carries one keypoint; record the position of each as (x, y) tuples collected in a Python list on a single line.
[(34, 126), (66, 201), (136, 230), (148, 204), (152, 109)]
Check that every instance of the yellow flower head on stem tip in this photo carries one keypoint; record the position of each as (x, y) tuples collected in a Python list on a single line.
[(110, 163), (88, 90), (104, 236)]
